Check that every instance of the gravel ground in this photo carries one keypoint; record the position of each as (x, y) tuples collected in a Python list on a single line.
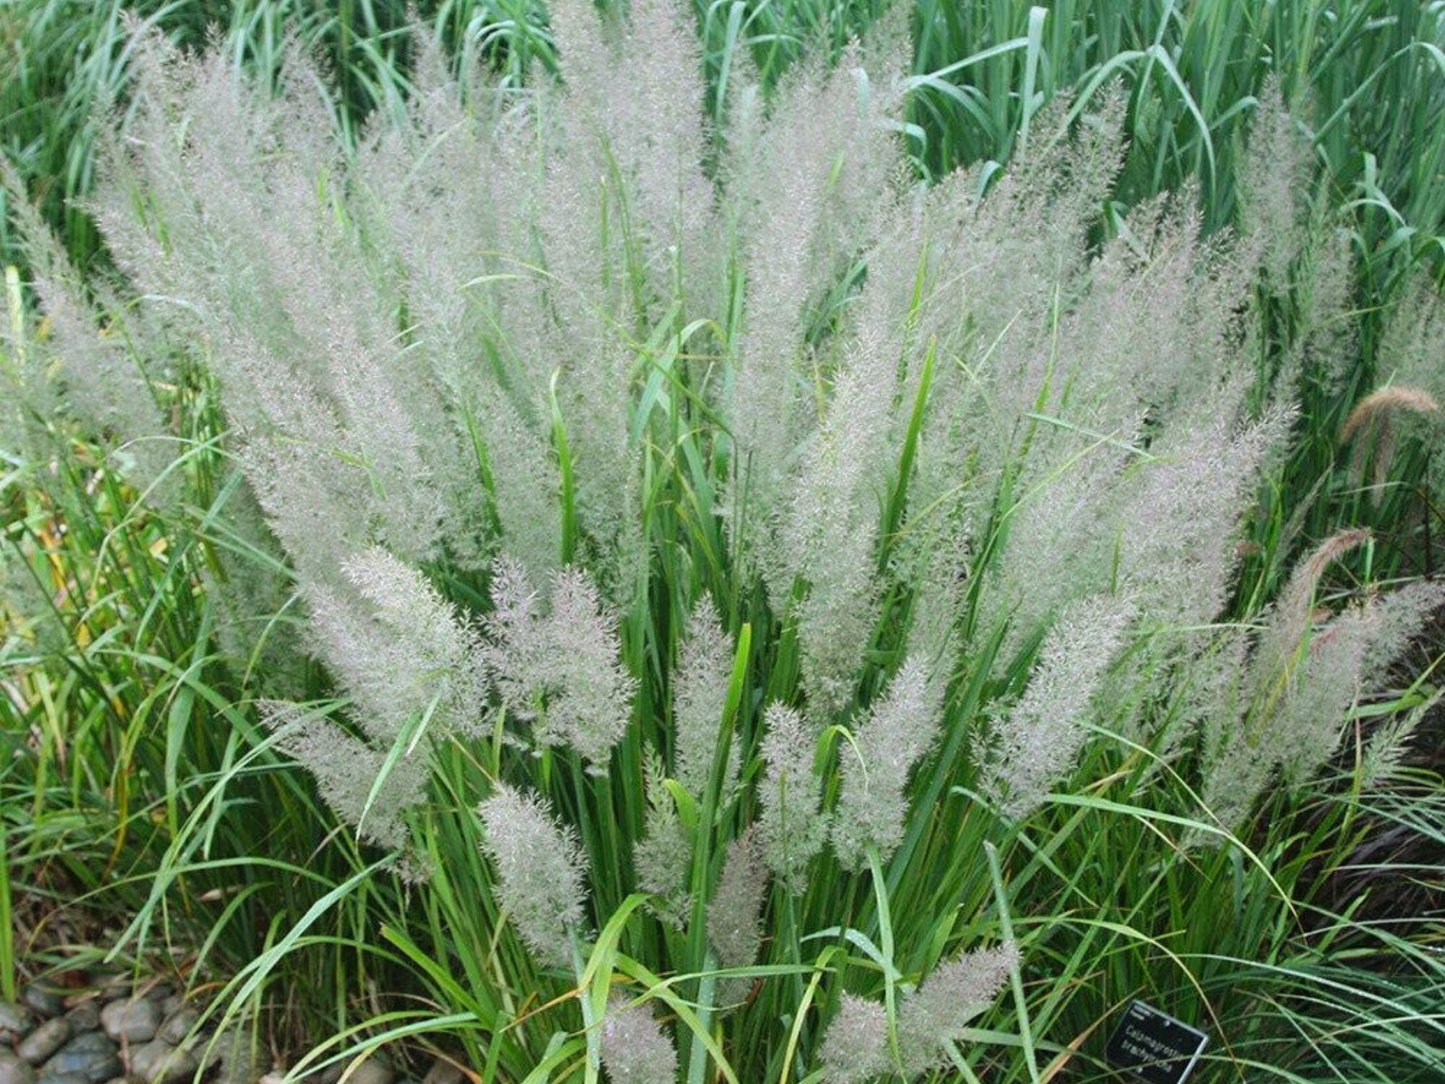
[(111, 1035)]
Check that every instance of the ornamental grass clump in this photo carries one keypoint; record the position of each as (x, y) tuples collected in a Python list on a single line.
[(729, 570)]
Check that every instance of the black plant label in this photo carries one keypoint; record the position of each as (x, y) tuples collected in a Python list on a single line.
[(1154, 1046)]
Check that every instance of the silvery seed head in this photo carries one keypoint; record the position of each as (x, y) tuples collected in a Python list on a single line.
[(875, 765), (947, 1000), (1387, 749), (663, 856), (1038, 742), (792, 824), (541, 871), (635, 1049), (1272, 178), (855, 1046), (734, 916), (399, 648), (347, 771), (559, 666), (1286, 633), (699, 695)]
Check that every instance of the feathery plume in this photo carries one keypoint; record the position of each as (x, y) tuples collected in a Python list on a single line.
[(792, 825), (1409, 352), (734, 915), (513, 638), (1234, 780), (1385, 752), (1284, 634), (833, 147), (27, 397), (1303, 726), (635, 1049), (1212, 691), (1375, 408), (1272, 175), (1303, 682), (595, 698), (855, 1046), (1414, 338), (835, 621), (347, 770), (1411, 345), (873, 803), (1037, 743), (639, 95), (699, 695), (561, 670), (831, 519), (945, 1002), (1373, 428), (540, 870), (1329, 337), (1401, 616), (1179, 545), (663, 856), (1059, 537), (829, 524), (400, 649), (1298, 595), (103, 383), (525, 488), (1348, 657)]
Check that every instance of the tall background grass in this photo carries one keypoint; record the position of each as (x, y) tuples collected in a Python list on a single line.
[(1369, 78)]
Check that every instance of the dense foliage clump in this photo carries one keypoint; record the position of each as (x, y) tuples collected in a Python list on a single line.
[(713, 568)]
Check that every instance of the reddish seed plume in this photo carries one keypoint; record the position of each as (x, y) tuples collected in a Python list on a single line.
[(1376, 408)]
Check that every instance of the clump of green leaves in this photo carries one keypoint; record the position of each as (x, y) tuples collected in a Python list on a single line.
[(662, 523)]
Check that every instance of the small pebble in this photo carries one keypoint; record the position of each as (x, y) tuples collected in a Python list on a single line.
[(112, 987), (44, 1040), (160, 1062), (131, 1021), (15, 1023), (235, 1058), (84, 1017), (42, 1000), (173, 1004), (91, 1042), (14, 1070), (372, 1071), (160, 991), (178, 1026), (62, 1078), (442, 1072), (90, 1055), (330, 1075)]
